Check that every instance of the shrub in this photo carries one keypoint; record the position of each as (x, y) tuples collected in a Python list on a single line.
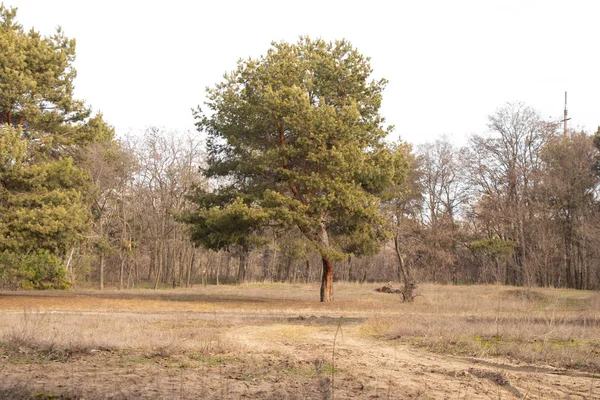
[(39, 270)]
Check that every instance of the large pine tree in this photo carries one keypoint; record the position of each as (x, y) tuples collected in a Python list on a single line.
[(43, 206), (298, 134)]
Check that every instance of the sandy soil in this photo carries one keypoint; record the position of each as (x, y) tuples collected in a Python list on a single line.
[(279, 356)]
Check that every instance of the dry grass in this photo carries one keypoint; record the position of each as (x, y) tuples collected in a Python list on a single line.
[(279, 334), (537, 326), (58, 336)]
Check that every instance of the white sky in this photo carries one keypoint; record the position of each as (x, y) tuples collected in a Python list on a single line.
[(449, 63)]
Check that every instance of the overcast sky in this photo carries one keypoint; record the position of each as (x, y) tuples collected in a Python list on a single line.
[(449, 63)]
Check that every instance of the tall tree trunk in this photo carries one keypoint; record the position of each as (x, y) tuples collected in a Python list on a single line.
[(243, 267), (70, 275), (568, 263), (190, 267), (248, 277), (136, 273), (350, 265), (288, 270), (524, 265), (585, 268), (123, 252), (266, 264), (227, 264), (280, 267), (205, 269), (101, 271), (121, 272), (409, 283), (218, 266), (159, 267), (182, 263), (167, 264), (101, 286), (130, 274), (153, 263)]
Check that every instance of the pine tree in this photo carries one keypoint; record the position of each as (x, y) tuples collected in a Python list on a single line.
[(43, 206), (297, 134)]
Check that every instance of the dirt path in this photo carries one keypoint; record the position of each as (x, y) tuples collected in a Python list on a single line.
[(380, 369)]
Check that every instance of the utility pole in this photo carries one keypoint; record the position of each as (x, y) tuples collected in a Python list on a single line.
[(565, 119)]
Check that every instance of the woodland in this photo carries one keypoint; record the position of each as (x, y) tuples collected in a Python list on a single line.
[(291, 176)]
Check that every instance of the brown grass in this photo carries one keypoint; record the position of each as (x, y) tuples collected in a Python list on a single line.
[(553, 327), (280, 333), (58, 336)]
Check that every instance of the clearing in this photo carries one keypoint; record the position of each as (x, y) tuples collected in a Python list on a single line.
[(275, 341)]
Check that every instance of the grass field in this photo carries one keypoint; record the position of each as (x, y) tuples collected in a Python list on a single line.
[(276, 341)]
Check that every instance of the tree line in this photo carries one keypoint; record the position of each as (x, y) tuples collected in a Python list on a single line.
[(290, 177)]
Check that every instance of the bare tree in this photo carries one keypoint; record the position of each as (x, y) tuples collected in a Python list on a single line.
[(405, 207), (168, 169), (505, 168), (111, 168), (445, 193), (571, 187)]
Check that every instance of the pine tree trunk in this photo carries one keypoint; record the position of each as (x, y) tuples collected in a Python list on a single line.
[(327, 281), (243, 267)]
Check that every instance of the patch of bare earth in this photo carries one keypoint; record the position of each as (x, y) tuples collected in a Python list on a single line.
[(369, 368), (274, 342)]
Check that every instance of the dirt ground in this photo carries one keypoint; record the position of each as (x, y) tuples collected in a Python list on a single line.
[(244, 343)]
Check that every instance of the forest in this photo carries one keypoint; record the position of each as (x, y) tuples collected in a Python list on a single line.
[(291, 175)]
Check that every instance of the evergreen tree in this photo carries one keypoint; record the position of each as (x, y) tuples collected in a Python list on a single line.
[(297, 133), (43, 206), (231, 225)]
